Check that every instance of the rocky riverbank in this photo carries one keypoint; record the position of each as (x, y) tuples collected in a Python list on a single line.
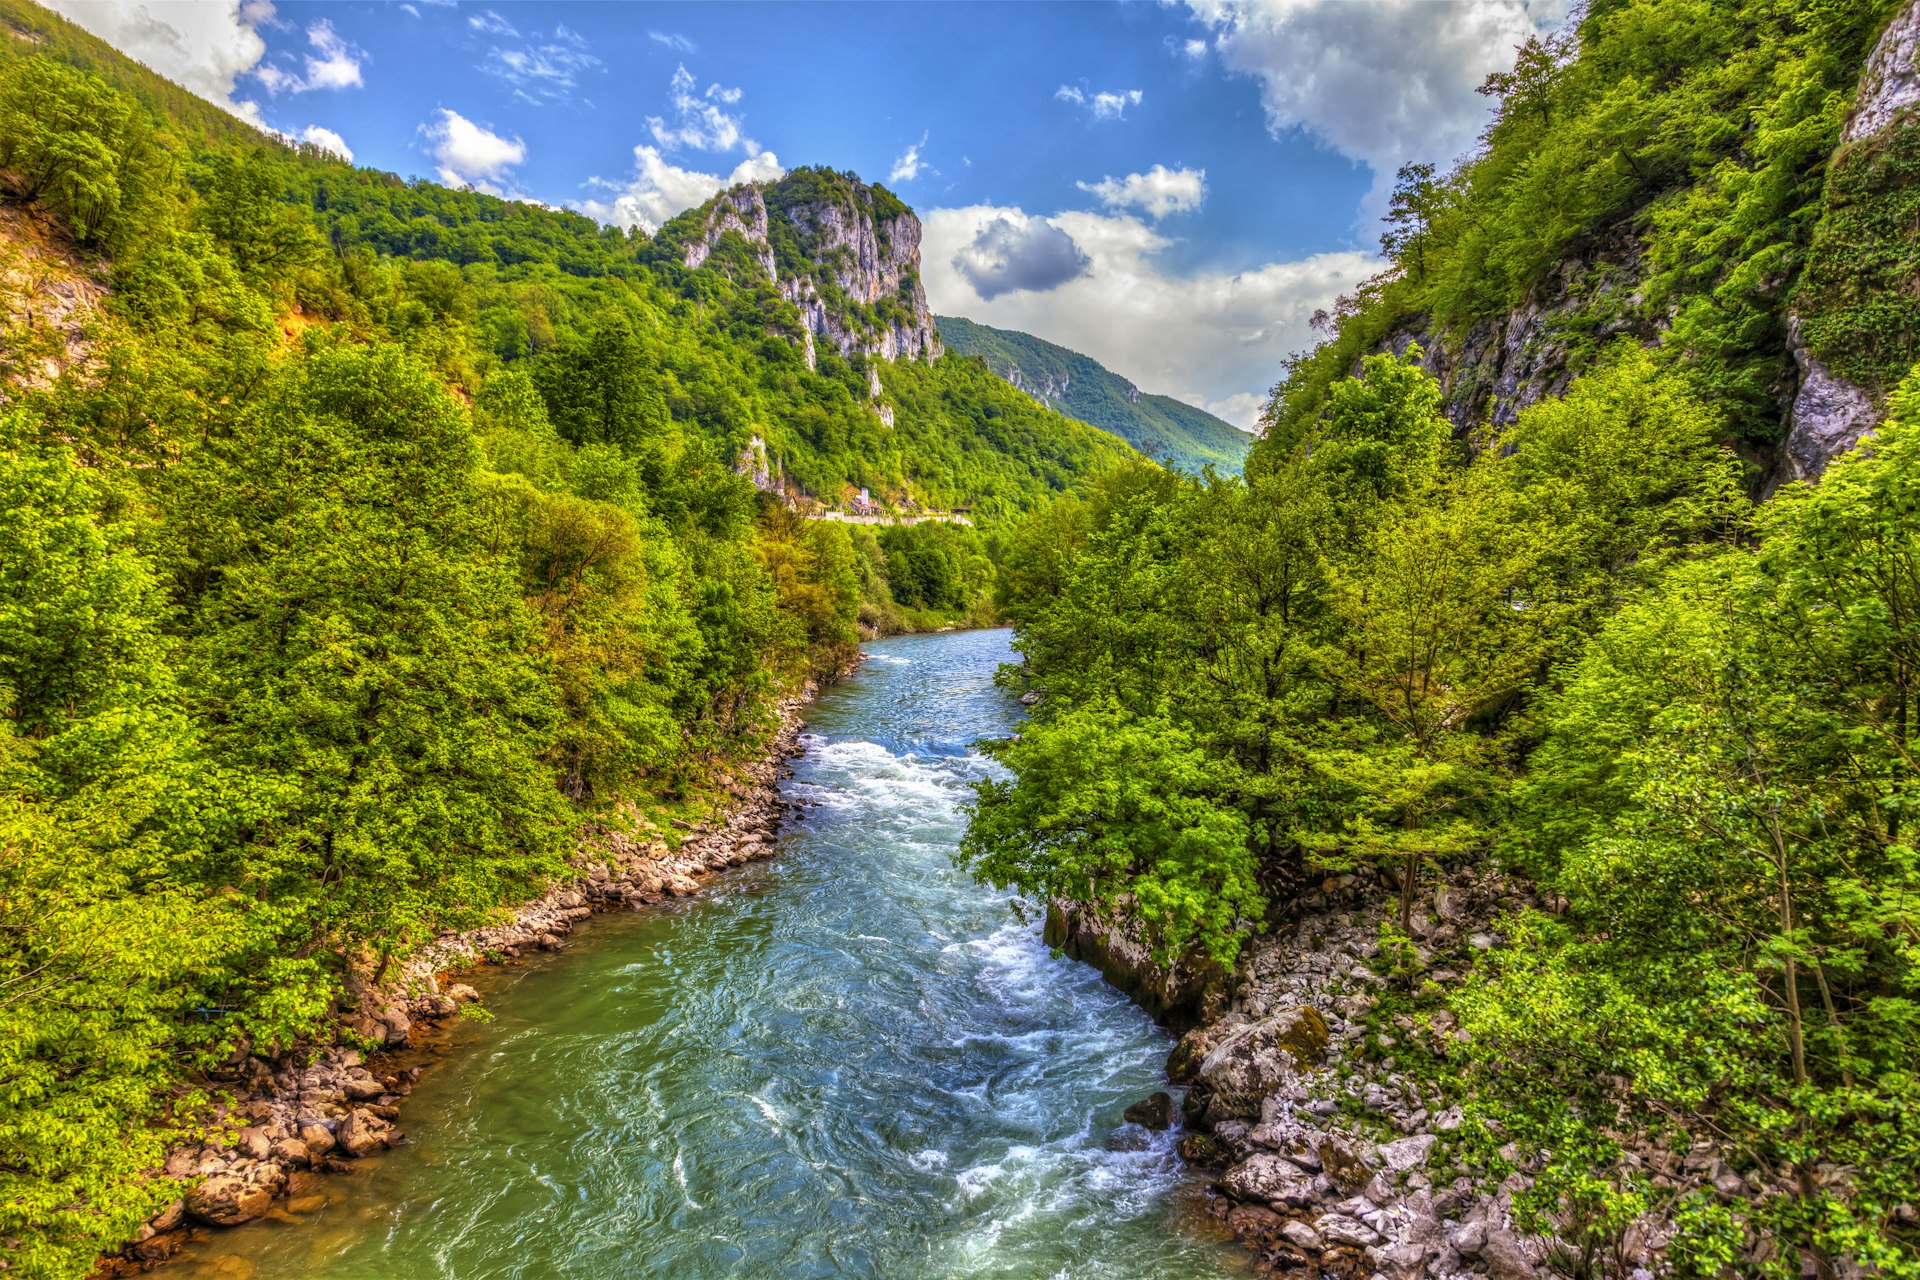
[(1329, 1158), (300, 1116)]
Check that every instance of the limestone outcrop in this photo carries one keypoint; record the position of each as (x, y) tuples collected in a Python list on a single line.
[(844, 253)]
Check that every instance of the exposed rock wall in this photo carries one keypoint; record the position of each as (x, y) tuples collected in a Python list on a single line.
[(1499, 367), (1891, 82), (1831, 414), (869, 261), (743, 210)]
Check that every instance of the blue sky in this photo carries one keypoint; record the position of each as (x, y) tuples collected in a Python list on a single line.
[(1172, 188)]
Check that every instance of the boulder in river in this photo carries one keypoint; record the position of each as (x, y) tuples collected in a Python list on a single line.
[(362, 1133), (230, 1198), (1152, 1112)]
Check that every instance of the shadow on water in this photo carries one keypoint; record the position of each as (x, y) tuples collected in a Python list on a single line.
[(849, 1062)]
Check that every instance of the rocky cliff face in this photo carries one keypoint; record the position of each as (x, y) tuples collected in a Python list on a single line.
[(845, 254), (1499, 367), (1831, 414)]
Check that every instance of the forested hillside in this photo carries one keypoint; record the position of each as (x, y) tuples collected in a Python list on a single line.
[(1080, 387), (1494, 592), (360, 539)]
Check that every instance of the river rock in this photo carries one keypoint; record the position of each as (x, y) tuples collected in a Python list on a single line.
[(1152, 1112), (1271, 1178), (1343, 1166), (1183, 1064), (229, 1199), (1256, 1060), (317, 1136), (1405, 1154), (1205, 1151), (1338, 1228), (170, 1217), (293, 1152), (360, 1086), (362, 1133), (1303, 1237)]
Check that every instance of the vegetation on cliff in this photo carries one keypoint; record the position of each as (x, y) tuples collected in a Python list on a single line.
[(1570, 645)]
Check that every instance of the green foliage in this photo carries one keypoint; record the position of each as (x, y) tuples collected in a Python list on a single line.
[(377, 537), (1856, 299), (1675, 149), (1125, 810), (1577, 647), (1161, 427)]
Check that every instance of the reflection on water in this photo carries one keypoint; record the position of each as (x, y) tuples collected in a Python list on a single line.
[(851, 1061)]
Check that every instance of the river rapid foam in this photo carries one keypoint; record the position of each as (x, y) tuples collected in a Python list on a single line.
[(852, 1061)]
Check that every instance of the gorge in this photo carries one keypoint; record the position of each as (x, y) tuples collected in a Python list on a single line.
[(1461, 832)]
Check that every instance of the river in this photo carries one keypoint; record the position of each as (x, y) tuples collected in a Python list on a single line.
[(851, 1061)]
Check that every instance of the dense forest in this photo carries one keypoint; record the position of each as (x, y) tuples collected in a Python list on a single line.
[(360, 539), (1079, 386), (1570, 645)]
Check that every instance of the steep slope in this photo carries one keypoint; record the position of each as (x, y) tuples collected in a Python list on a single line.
[(1685, 177), (827, 267), (1081, 387)]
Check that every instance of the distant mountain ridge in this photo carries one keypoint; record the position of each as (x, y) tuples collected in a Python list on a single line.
[(1081, 387)]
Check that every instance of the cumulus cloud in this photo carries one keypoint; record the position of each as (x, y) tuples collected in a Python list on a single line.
[(1014, 253), (700, 121), (659, 188), (1195, 48), (470, 154), (1213, 339), (1382, 83), (1105, 105), (328, 140), (333, 64), (908, 166), (1157, 192), (206, 47), (542, 69)]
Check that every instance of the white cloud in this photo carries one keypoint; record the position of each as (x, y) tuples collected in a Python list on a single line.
[(700, 120), (333, 64), (492, 23), (471, 154), (908, 166), (338, 66), (1214, 339), (205, 47), (542, 70), (1104, 105), (328, 140), (674, 41), (1157, 192), (1196, 48), (1382, 83), (659, 189)]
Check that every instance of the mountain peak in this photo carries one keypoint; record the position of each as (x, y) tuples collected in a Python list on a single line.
[(846, 253)]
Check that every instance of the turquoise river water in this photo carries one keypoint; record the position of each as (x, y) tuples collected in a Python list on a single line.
[(851, 1061)]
